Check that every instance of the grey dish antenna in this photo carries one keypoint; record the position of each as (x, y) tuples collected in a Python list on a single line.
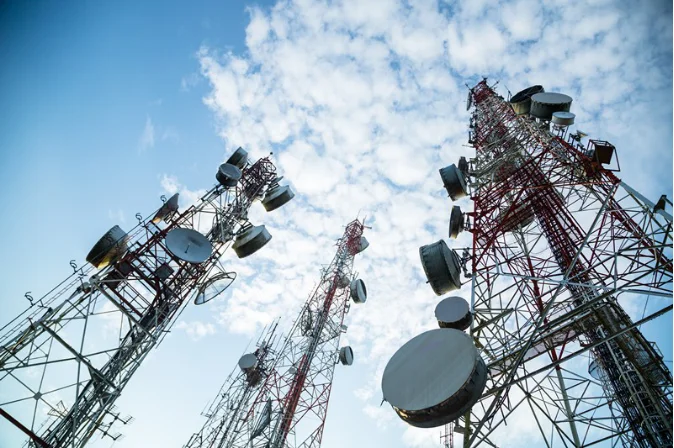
[(239, 158), (521, 101), (358, 291), (167, 209), (434, 378), (277, 197), (109, 249), (563, 119), (544, 104), (342, 280), (364, 244), (454, 182), (248, 362), (228, 175), (214, 286), (442, 267), (188, 245), (456, 222), (595, 370), (346, 355), (251, 240), (453, 312), (579, 135), (264, 420)]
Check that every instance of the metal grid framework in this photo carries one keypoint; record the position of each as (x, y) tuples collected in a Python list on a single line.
[(557, 240), (66, 359), (289, 406), (235, 394)]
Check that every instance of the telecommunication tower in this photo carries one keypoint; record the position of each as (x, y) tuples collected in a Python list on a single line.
[(557, 239), (280, 396), (235, 395), (447, 435), (67, 358)]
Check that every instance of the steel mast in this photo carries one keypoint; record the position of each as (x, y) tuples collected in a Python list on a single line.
[(557, 239), (236, 394), (551, 216), (67, 358), (287, 404)]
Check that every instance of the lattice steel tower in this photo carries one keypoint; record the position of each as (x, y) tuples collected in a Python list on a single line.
[(280, 396), (67, 358), (557, 239)]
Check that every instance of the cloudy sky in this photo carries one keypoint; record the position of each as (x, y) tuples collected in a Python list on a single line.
[(106, 106)]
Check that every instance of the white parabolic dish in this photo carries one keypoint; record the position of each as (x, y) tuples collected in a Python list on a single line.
[(248, 361), (452, 309), (429, 369), (188, 245)]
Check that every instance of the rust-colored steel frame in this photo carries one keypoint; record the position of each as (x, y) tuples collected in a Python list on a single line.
[(545, 289), (66, 359)]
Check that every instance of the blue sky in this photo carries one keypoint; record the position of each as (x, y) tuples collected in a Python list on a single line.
[(107, 105)]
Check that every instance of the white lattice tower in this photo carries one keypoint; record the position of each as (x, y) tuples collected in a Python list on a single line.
[(67, 358)]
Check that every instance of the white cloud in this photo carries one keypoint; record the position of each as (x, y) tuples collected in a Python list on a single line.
[(195, 329), (146, 140), (190, 81), (117, 215), (170, 134), (362, 103)]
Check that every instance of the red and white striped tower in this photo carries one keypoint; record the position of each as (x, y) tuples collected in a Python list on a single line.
[(558, 242), (287, 404), (67, 358)]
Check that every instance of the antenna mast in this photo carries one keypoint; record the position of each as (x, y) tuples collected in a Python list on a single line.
[(557, 239), (66, 359), (288, 405)]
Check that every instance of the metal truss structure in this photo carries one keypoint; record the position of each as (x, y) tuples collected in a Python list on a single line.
[(560, 244), (235, 394), (283, 400), (67, 358)]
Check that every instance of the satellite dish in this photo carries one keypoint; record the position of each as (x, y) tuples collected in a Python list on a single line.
[(521, 101), (563, 118), (364, 244), (248, 362), (343, 281), (442, 267), (595, 370), (228, 175), (250, 241), (456, 222), (166, 210), (434, 378), (469, 101), (239, 158), (214, 286), (580, 134), (358, 291), (454, 182), (346, 355), (453, 312), (276, 197), (109, 249), (265, 419), (188, 245), (544, 104)]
